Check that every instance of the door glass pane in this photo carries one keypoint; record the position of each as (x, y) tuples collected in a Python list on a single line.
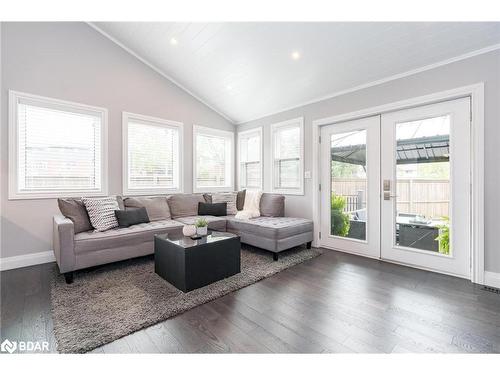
[(348, 185), (423, 184)]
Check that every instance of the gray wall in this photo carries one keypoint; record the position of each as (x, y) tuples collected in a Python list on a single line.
[(484, 68), (72, 61)]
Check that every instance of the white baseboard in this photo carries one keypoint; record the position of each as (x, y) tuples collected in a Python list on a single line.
[(492, 279), (19, 261)]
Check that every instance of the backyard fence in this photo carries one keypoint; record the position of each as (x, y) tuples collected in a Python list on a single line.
[(417, 196)]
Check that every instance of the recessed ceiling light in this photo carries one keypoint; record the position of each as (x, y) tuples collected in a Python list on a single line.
[(295, 55), (229, 87), (173, 41)]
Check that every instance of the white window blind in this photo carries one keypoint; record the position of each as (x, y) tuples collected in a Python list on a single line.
[(287, 156), (213, 159), (250, 164), (57, 148), (153, 158)]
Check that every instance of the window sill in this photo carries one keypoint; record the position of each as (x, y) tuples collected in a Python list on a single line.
[(250, 188), (129, 193), (287, 192), (55, 195), (213, 189)]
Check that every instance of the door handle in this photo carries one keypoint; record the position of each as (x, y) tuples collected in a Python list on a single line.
[(388, 195), (387, 190)]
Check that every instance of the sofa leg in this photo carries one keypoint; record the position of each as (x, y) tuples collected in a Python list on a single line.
[(275, 256), (68, 276), (309, 244)]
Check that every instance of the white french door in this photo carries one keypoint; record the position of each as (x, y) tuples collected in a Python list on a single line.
[(425, 166), (396, 186), (350, 186)]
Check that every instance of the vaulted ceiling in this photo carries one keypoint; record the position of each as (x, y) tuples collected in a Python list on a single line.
[(249, 70)]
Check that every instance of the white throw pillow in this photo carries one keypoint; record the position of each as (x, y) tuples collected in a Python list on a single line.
[(102, 212), (229, 198), (251, 207)]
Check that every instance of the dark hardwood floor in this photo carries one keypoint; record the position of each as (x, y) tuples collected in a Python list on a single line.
[(334, 303)]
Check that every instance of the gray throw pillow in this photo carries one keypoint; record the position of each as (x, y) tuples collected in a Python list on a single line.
[(272, 205), (131, 216), (240, 199), (75, 210), (119, 199), (157, 207), (102, 212), (182, 205), (229, 198)]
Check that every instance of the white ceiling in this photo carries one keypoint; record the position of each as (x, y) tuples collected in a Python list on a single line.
[(245, 70)]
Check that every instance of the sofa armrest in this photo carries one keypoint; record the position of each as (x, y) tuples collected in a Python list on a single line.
[(64, 243)]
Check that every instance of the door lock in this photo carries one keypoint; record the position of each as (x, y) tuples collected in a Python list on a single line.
[(388, 195), (387, 185)]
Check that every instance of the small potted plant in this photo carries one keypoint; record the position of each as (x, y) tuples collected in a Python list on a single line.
[(201, 227)]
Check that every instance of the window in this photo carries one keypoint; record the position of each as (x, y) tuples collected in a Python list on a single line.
[(250, 159), (56, 148), (213, 160), (288, 157), (151, 155)]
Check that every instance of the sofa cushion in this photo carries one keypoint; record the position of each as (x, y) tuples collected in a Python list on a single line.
[(135, 234), (270, 227), (75, 210), (229, 198), (272, 205), (156, 206), (217, 223), (240, 199), (183, 205), (102, 212)]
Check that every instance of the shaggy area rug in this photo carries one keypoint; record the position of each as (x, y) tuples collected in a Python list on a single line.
[(112, 301)]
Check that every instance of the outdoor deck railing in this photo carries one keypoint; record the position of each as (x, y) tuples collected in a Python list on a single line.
[(428, 197)]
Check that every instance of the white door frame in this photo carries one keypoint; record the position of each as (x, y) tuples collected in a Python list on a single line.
[(476, 93)]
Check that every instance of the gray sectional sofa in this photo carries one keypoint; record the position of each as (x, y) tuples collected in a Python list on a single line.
[(272, 231)]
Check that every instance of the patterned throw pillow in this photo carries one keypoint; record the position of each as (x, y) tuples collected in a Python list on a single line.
[(229, 198), (102, 212)]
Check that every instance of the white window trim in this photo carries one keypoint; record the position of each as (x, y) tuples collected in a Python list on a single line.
[(126, 117), (240, 136), (288, 123), (14, 193), (197, 129)]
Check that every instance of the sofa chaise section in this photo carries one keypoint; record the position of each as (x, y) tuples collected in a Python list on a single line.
[(275, 234)]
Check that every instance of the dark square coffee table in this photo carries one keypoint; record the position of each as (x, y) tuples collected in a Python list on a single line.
[(189, 264)]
